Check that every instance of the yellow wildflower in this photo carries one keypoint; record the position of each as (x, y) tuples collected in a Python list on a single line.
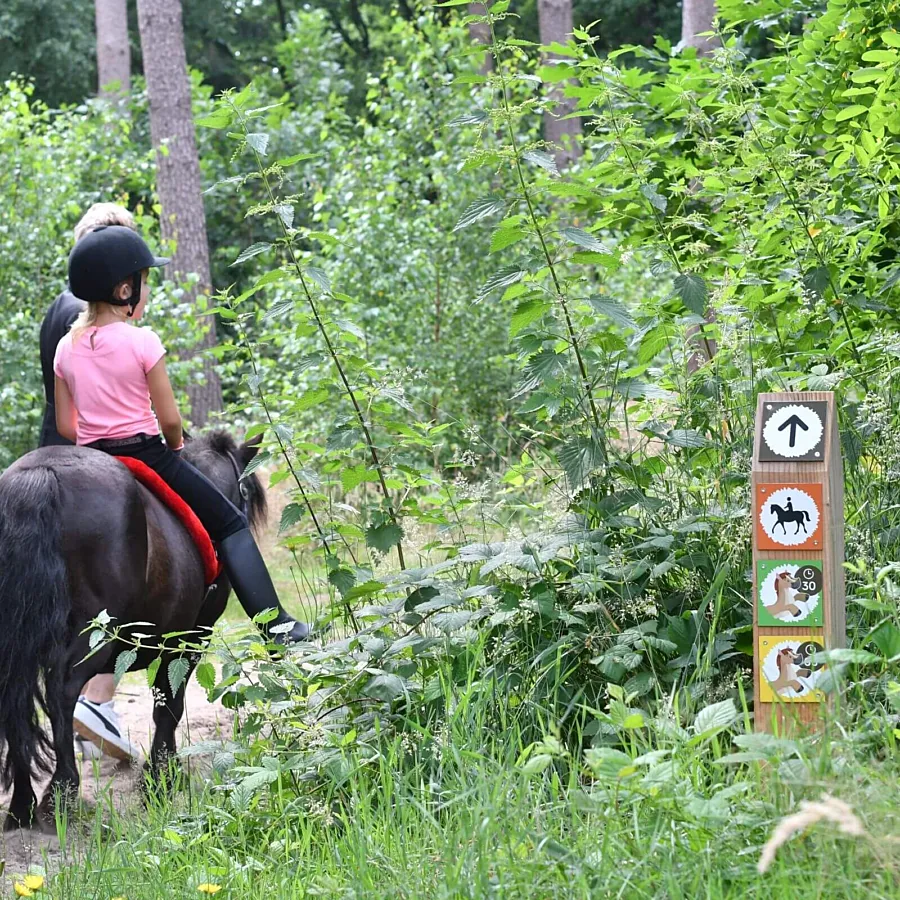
[(813, 231), (209, 888), (34, 882), (22, 891)]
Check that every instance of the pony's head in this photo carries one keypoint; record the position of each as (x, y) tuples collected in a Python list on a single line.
[(222, 460)]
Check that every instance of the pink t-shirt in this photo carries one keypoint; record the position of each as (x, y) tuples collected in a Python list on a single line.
[(106, 373)]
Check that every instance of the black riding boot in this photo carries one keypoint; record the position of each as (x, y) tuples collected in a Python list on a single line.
[(251, 582)]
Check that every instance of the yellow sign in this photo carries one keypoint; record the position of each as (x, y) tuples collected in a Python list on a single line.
[(789, 671)]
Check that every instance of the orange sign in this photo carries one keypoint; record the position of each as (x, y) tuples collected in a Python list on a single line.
[(789, 517)]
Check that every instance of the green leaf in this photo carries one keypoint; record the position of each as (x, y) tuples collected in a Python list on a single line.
[(715, 717), (885, 56), (206, 675), (502, 278), (152, 671), (692, 290), (542, 159), (259, 142), (656, 199), (886, 637), (527, 312), (299, 157), (448, 622), (851, 112), (608, 763), (290, 516), (480, 209), (891, 38), (817, 280), (124, 661), (386, 687), (178, 669), (355, 476), (251, 251), (218, 118), (506, 237), (579, 457), (343, 580), (383, 537), (612, 309), (583, 239), (686, 437)]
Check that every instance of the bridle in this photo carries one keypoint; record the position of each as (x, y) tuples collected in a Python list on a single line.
[(243, 489)]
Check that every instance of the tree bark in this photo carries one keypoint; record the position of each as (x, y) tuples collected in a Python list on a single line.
[(555, 24), (697, 17), (113, 50), (480, 33), (178, 173)]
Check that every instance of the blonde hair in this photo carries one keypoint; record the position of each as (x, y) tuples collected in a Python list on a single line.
[(86, 319), (103, 214)]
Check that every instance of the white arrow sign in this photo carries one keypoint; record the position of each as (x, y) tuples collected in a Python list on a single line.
[(793, 431)]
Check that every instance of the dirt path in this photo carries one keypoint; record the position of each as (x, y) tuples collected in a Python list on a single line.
[(105, 778)]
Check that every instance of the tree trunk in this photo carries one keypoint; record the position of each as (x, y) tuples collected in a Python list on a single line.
[(555, 23), (113, 50), (480, 33), (178, 172), (697, 17)]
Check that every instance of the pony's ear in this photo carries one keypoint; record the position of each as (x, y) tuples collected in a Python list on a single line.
[(250, 448)]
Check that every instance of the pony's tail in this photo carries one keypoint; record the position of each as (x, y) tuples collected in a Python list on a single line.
[(34, 609)]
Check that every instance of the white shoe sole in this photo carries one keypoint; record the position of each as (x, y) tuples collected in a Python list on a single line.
[(90, 725)]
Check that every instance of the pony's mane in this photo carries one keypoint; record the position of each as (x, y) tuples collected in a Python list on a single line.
[(221, 443)]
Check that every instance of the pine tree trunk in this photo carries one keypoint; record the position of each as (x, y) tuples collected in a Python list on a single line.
[(113, 50), (480, 33), (178, 172), (696, 18), (555, 23)]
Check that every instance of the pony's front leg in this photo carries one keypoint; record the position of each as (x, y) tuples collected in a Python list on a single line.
[(167, 712), (63, 787)]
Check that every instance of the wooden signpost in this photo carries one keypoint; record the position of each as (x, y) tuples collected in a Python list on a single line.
[(797, 497)]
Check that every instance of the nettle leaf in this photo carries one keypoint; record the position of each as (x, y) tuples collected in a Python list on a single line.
[(286, 214), (580, 456), (218, 118), (356, 475), (583, 239), (509, 232), (386, 687), (448, 622), (343, 580), (383, 537), (652, 194), (124, 661), (692, 290), (612, 309), (290, 516), (527, 312), (259, 142), (251, 251), (542, 159), (817, 280), (478, 117), (178, 669), (502, 278), (686, 437), (206, 675), (480, 209)]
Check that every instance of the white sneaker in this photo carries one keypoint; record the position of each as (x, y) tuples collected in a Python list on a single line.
[(99, 724)]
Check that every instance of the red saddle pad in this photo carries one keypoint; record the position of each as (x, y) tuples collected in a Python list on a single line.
[(150, 480)]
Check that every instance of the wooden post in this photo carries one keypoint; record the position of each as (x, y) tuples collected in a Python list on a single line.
[(797, 502)]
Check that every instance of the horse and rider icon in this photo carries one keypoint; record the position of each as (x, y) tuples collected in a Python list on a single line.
[(789, 515)]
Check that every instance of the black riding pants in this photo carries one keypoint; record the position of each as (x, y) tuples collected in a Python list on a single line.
[(219, 516)]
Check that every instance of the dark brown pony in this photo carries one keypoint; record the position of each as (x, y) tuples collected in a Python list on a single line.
[(78, 535)]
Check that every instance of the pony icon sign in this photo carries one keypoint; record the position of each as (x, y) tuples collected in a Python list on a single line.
[(789, 516)]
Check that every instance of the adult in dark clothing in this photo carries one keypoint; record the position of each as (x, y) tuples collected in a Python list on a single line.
[(65, 310)]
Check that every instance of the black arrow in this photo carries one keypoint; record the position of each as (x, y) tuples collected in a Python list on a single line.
[(794, 421)]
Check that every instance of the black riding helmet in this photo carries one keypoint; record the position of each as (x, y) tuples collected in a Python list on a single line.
[(104, 258)]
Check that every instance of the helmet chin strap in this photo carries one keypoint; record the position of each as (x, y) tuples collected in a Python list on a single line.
[(135, 292)]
